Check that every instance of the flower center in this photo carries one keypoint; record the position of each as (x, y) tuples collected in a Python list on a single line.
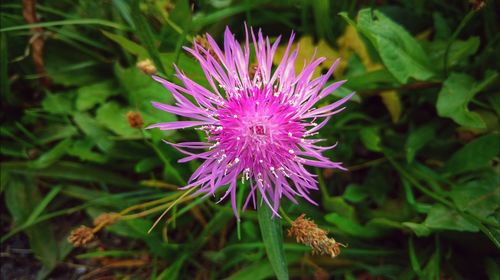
[(258, 129)]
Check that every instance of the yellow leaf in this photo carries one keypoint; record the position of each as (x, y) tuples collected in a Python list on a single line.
[(350, 42), (392, 102), (306, 51)]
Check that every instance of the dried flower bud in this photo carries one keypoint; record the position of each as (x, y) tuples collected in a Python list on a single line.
[(146, 66), (81, 236), (135, 119), (202, 41), (253, 69), (106, 219), (477, 4), (308, 233)]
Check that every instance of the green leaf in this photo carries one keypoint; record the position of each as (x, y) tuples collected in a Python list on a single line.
[(144, 32), (370, 138), (256, 271), (432, 269), (442, 218), (355, 193), (272, 236), (114, 117), (479, 196), (353, 228), (401, 53), (95, 131), (453, 99), (89, 96), (4, 75), (141, 90), (60, 103), (418, 139), (492, 269), (83, 149), (476, 154), (419, 229), (458, 53), (53, 155), (23, 200), (127, 45)]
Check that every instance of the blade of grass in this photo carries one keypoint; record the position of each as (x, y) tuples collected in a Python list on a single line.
[(87, 21), (146, 36)]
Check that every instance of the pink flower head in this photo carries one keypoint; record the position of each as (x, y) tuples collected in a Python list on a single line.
[(259, 125)]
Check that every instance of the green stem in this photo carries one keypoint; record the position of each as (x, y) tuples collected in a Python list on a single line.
[(272, 236), (454, 36)]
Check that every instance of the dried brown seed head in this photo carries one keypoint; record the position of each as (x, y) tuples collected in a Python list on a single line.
[(308, 233), (81, 236), (146, 66), (106, 219), (135, 119)]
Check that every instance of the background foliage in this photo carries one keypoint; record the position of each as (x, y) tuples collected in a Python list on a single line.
[(421, 199)]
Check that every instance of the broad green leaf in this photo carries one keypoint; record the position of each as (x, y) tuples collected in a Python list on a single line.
[(89, 96), (401, 53), (59, 103), (458, 53), (480, 197), (474, 155), (419, 229), (272, 236), (114, 117), (141, 91), (370, 138), (442, 218), (453, 100), (128, 45), (417, 139), (93, 130)]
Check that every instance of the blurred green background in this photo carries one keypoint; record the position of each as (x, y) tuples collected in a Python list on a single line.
[(421, 139)]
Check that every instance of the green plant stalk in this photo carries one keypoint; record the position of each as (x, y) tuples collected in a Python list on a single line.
[(454, 36), (272, 236), (469, 217)]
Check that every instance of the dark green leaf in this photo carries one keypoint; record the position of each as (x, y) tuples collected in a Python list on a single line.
[(114, 117), (89, 96), (418, 139), (474, 155), (401, 53), (454, 98), (442, 218)]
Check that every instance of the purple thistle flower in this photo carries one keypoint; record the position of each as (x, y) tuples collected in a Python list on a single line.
[(258, 125)]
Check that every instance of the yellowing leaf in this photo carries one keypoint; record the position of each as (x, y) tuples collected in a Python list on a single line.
[(307, 50), (391, 100), (350, 42)]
